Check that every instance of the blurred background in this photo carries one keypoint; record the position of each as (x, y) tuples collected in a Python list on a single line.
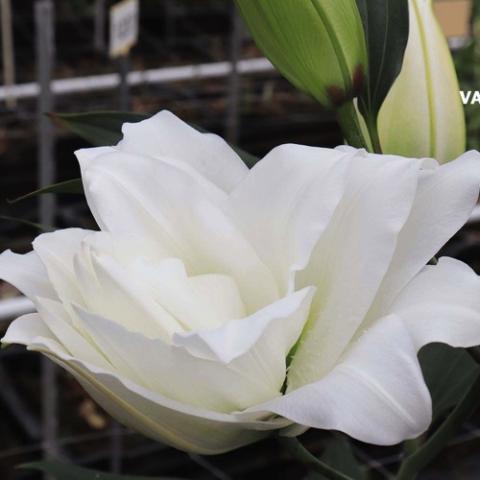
[(195, 58)]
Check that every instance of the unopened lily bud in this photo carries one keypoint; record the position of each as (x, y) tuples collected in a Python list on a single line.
[(319, 46), (422, 115)]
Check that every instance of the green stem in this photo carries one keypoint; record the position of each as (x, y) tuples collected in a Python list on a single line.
[(411, 446), (21, 221), (435, 444), (298, 451), (350, 125), (373, 131)]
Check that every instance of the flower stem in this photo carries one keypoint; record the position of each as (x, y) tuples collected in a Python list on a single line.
[(434, 445), (411, 446), (298, 451), (350, 125), (373, 131)]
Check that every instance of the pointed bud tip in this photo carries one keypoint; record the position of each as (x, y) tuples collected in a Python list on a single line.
[(338, 96), (358, 79)]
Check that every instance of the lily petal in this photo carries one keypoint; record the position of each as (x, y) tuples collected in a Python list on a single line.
[(351, 258), (376, 393), (182, 426), (262, 340), (150, 363), (286, 202), (157, 417), (445, 198), (27, 329), (26, 273), (165, 135), (56, 250), (197, 302), (114, 293), (442, 304), (156, 200), (54, 316)]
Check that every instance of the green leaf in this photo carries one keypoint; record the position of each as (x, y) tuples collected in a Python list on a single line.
[(97, 128), (26, 223), (63, 471), (339, 455), (437, 442), (386, 25), (449, 373), (247, 158), (300, 453), (69, 186)]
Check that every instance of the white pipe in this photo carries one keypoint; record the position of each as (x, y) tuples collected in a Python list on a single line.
[(139, 77)]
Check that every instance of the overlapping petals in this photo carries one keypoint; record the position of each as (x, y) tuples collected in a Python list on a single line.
[(217, 304)]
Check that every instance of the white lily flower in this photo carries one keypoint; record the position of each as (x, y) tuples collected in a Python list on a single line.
[(178, 316), (423, 113)]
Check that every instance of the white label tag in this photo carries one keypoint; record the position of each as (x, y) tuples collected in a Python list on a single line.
[(123, 27)]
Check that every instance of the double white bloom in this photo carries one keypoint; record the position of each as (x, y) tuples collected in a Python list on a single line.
[(178, 316)]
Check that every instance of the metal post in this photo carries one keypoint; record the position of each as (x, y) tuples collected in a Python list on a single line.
[(8, 52), (170, 13), (123, 91), (44, 21), (234, 87), (18, 408), (99, 35), (44, 25), (116, 448)]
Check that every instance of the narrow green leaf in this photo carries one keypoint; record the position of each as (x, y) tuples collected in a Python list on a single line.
[(69, 186), (427, 452), (247, 158), (63, 471), (26, 223), (97, 128), (339, 455), (386, 25), (449, 373), (316, 465)]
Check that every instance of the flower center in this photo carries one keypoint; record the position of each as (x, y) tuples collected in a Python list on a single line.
[(149, 292)]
